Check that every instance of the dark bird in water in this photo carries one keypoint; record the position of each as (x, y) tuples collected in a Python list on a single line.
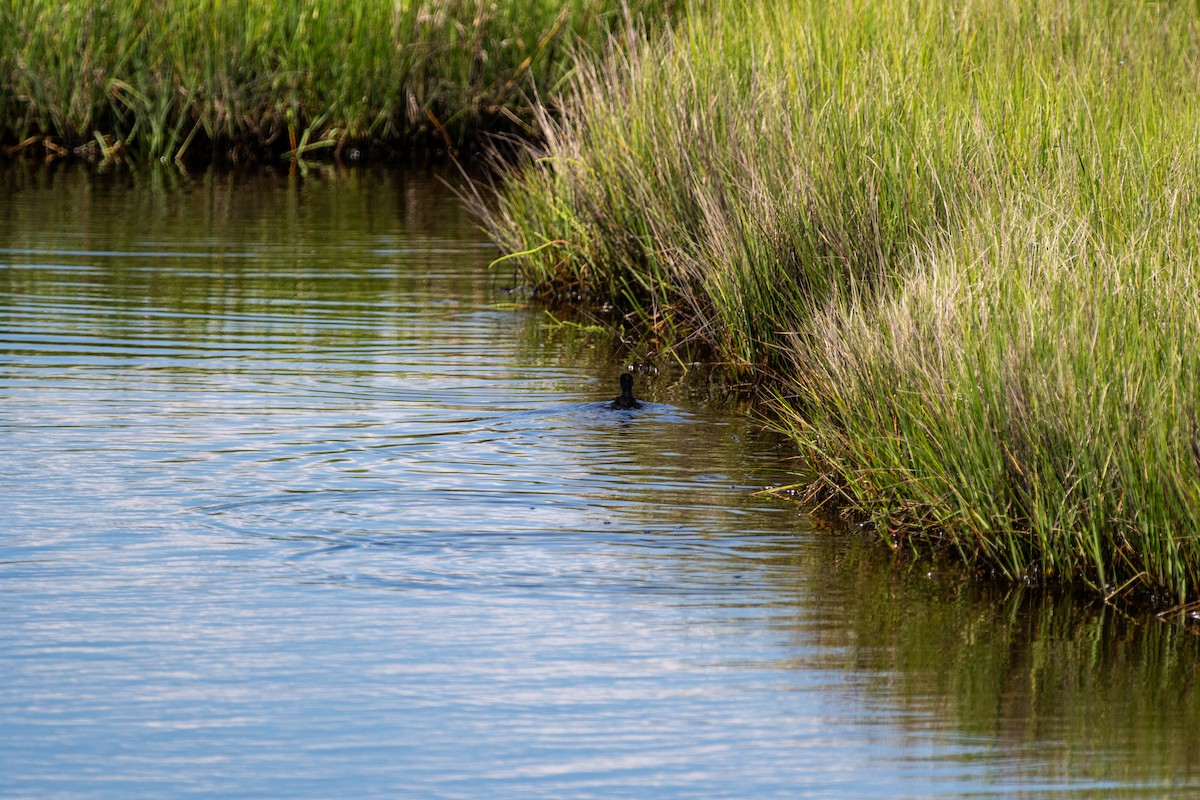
[(625, 400)]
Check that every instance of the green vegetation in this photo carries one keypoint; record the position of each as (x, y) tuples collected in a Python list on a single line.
[(958, 240), (237, 80)]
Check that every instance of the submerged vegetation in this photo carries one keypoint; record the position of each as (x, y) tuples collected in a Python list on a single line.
[(958, 240), (216, 79)]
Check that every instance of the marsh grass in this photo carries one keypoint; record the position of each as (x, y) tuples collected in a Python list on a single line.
[(165, 78), (959, 243)]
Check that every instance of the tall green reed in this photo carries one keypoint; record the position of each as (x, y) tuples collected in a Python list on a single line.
[(161, 74), (957, 239)]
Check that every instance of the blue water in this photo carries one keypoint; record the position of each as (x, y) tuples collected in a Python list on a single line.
[(297, 499)]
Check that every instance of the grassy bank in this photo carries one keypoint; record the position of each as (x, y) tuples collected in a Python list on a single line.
[(958, 241), (231, 80)]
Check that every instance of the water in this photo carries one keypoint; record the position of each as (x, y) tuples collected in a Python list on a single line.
[(297, 500)]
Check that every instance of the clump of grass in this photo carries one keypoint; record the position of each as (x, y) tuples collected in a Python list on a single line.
[(160, 78), (729, 178), (958, 241), (1027, 395)]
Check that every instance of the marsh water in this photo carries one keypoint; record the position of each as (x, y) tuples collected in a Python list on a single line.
[(298, 498)]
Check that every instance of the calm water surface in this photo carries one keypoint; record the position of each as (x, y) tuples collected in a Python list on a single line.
[(296, 500)]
